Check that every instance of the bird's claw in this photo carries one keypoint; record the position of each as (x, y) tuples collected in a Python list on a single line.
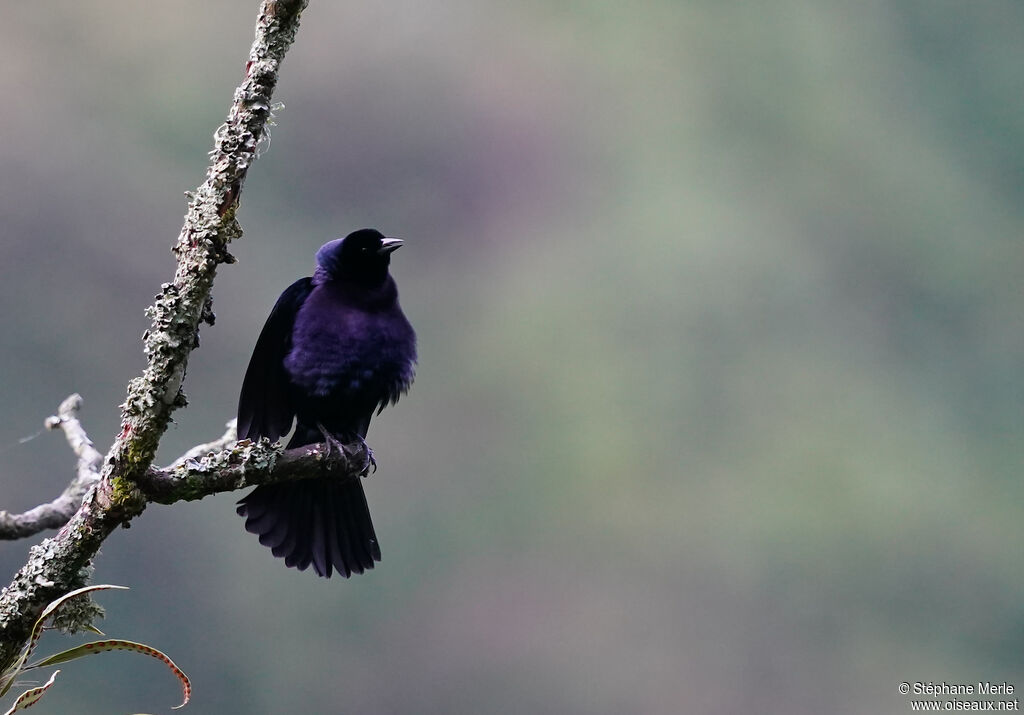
[(336, 446), (370, 461)]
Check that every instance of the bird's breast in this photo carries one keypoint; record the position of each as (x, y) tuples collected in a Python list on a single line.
[(349, 353)]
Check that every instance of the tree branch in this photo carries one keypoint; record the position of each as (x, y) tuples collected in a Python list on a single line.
[(201, 450), (58, 564), (210, 468), (66, 419), (56, 513), (249, 464)]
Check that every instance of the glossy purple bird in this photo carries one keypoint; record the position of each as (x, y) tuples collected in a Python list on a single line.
[(335, 349)]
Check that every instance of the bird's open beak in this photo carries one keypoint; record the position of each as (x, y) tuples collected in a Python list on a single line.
[(387, 245)]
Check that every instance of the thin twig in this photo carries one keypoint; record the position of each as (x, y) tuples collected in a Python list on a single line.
[(56, 513), (67, 420)]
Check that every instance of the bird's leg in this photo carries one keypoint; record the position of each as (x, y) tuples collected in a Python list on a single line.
[(333, 445)]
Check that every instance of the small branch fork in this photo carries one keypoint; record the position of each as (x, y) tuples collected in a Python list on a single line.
[(115, 488), (56, 513)]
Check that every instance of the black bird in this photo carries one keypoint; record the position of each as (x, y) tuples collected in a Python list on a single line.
[(335, 348)]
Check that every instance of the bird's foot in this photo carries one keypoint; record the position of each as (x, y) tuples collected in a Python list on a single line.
[(370, 461), (336, 446)]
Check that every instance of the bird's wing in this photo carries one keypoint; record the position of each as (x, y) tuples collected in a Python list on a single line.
[(265, 408)]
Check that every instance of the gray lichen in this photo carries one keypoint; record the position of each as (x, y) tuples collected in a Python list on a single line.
[(79, 613)]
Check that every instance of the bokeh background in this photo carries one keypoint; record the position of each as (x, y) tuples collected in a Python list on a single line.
[(720, 306)]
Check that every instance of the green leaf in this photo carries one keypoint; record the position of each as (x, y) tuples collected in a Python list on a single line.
[(7, 679), (31, 696), (116, 644)]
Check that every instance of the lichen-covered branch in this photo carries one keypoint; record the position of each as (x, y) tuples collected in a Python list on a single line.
[(220, 465), (51, 515), (249, 464), (57, 564), (56, 513), (201, 450), (211, 468)]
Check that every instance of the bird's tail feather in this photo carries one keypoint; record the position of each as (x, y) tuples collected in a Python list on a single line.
[(323, 522)]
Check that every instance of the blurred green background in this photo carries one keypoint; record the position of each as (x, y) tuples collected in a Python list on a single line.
[(719, 406)]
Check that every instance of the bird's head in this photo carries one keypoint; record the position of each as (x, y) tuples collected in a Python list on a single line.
[(362, 256)]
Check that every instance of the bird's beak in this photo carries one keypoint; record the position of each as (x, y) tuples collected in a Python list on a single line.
[(388, 245)]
